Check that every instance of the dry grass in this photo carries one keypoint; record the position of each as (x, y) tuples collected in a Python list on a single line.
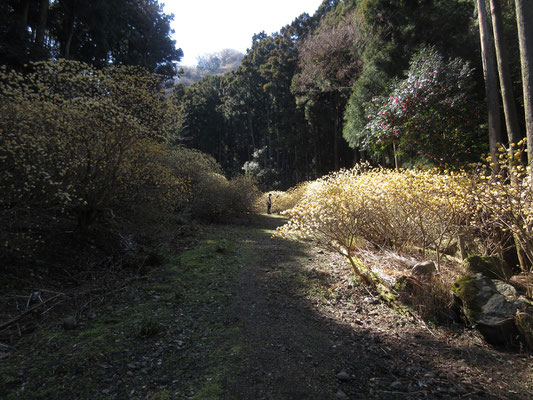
[(431, 299)]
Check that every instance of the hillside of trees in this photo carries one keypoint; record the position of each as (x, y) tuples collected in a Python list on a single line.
[(313, 97), (210, 64), (310, 98), (123, 32)]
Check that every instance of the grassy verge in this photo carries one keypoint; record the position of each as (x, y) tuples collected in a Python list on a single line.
[(163, 337)]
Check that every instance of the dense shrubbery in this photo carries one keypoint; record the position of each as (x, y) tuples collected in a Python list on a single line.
[(282, 201), (262, 169), (78, 144), (216, 197), (504, 203), (385, 208), (211, 196), (409, 210), (243, 195), (78, 141)]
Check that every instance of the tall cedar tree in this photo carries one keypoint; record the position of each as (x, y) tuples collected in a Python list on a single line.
[(491, 81), (99, 32), (524, 16), (506, 86)]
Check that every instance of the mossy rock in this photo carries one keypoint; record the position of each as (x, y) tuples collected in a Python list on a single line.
[(491, 305), (490, 267), (424, 270), (406, 284), (466, 290)]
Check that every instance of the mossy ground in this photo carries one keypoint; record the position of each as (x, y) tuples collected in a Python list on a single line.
[(125, 349)]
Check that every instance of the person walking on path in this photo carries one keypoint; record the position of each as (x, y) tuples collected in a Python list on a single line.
[(269, 203)]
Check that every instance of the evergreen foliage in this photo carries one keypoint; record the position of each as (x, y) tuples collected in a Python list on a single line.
[(432, 113), (298, 95), (99, 32)]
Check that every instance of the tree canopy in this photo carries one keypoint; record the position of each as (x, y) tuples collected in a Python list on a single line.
[(298, 99), (308, 99), (125, 32)]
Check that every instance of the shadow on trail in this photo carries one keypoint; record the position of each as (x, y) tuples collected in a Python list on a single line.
[(240, 315), (291, 350)]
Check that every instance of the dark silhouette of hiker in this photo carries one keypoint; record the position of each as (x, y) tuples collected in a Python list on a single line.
[(269, 203)]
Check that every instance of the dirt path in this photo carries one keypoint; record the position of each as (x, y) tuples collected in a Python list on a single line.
[(239, 315), (310, 333)]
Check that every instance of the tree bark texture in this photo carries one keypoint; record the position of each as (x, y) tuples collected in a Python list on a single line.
[(43, 17), (491, 84), (506, 86), (524, 17)]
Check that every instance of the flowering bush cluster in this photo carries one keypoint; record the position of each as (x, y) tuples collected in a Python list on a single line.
[(504, 203), (410, 210), (211, 195), (282, 201), (385, 208), (262, 169), (428, 114), (73, 143)]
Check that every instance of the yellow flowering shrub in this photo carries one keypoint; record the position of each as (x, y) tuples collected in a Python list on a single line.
[(282, 201), (504, 203), (260, 205), (417, 210), (243, 194), (211, 196), (403, 209)]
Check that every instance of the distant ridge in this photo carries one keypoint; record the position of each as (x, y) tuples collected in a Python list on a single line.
[(211, 64)]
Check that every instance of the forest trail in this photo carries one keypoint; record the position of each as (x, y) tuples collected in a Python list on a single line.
[(238, 314)]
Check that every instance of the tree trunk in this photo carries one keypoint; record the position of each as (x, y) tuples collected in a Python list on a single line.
[(41, 28), (395, 155), (506, 86), (524, 17), (336, 164), (356, 156), (462, 247), (251, 126), (68, 42), (491, 84), (25, 12), (318, 162), (69, 10)]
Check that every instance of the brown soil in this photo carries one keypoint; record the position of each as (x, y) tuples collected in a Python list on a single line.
[(269, 319), (301, 338)]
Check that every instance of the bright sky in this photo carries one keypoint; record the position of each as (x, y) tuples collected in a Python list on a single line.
[(208, 26)]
